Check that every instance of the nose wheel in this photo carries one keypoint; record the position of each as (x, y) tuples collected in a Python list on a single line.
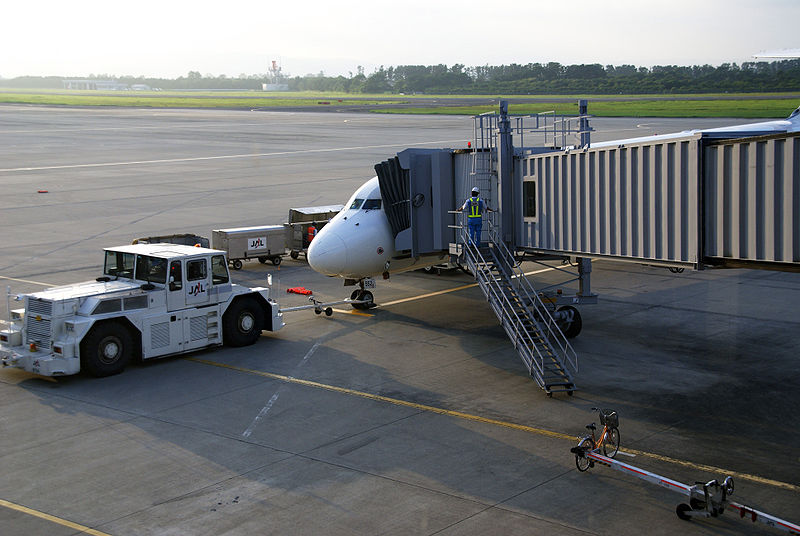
[(363, 296)]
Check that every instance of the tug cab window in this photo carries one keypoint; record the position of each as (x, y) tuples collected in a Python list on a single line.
[(118, 264), (196, 270), (175, 276), (151, 269), (219, 270), (372, 204)]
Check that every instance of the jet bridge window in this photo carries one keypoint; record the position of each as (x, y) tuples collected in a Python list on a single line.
[(119, 264), (372, 204), (151, 269), (529, 199), (356, 204)]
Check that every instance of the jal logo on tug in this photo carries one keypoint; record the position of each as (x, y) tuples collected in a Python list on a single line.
[(197, 289)]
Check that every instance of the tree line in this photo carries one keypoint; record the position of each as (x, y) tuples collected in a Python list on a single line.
[(513, 79)]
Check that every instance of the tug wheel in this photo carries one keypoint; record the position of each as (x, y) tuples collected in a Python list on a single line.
[(242, 322), (107, 349)]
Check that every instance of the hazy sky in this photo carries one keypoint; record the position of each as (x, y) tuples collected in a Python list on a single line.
[(169, 38)]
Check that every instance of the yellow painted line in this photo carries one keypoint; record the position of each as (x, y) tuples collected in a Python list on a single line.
[(712, 469), (27, 281), (41, 515), (455, 289), (494, 422), (430, 294), (351, 312)]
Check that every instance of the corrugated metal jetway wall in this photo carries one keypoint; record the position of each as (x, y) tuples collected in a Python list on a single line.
[(752, 201), (635, 202)]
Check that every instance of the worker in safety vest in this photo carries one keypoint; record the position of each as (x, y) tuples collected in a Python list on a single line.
[(475, 209), (312, 232)]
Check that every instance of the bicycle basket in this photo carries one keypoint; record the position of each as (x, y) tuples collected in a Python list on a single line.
[(609, 418)]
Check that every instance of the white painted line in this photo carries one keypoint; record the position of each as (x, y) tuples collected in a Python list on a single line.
[(221, 157), (260, 415), (27, 281)]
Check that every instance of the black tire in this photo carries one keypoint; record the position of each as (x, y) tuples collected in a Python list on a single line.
[(611, 444), (262, 260), (242, 322), (582, 462), (354, 296), (237, 264), (364, 295), (328, 311), (570, 328), (107, 349), (294, 254), (681, 510), (276, 261)]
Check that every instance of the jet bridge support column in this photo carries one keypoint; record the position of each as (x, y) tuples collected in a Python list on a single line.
[(505, 175)]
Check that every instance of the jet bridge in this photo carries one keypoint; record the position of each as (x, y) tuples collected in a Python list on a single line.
[(698, 199)]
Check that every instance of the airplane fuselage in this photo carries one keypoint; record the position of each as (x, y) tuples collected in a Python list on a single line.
[(358, 242)]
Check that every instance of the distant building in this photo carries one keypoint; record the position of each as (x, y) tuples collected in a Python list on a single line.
[(275, 87), (107, 85)]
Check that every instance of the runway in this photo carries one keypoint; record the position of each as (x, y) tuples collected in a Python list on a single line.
[(417, 418)]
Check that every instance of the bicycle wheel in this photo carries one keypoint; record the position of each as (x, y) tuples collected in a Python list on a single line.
[(611, 443), (581, 461)]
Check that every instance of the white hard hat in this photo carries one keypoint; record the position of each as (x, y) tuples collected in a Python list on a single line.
[(475, 190)]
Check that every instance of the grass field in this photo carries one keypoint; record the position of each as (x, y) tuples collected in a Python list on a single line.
[(745, 108), (742, 106)]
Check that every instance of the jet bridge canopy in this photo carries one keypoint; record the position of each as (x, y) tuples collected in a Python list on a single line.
[(417, 191)]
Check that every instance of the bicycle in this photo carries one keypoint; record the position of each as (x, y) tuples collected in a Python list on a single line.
[(608, 441)]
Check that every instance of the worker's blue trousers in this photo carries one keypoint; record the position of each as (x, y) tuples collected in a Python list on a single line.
[(474, 227)]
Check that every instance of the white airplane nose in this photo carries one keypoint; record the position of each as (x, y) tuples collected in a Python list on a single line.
[(327, 253)]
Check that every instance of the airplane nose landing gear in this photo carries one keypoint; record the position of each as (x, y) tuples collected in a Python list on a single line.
[(362, 297)]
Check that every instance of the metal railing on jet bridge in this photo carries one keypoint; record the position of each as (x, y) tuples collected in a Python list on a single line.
[(525, 318)]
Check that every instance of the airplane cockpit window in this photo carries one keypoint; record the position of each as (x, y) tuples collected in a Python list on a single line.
[(372, 204), (356, 204)]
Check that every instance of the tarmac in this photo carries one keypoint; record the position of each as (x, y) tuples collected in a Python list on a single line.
[(416, 417)]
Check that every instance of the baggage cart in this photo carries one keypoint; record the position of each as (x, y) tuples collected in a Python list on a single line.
[(299, 221), (265, 243), (184, 239)]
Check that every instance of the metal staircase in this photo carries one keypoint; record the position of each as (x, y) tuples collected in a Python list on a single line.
[(526, 319)]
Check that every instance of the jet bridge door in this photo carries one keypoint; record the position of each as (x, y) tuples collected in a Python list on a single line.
[(417, 191)]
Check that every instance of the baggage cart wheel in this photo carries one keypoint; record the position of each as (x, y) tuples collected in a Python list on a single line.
[(262, 260), (328, 311), (237, 264), (681, 510), (276, 261), (294, 254)]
